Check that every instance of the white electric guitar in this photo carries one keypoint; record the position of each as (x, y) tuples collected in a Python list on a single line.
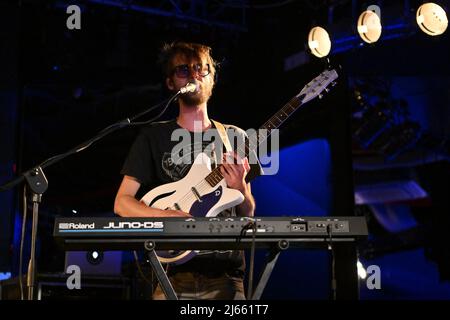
[(203, 192)]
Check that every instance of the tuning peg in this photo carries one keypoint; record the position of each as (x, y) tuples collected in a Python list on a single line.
[(327, 90), (320, 96), (333, 83)]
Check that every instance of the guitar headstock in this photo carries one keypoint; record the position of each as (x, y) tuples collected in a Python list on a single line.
[(319, 85)]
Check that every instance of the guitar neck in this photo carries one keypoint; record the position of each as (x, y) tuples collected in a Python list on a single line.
[(310, 91), (273, 123), (254, 140)]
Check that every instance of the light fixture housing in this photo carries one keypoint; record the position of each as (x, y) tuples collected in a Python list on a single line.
[(319, 42), (369, 26), (432, 19)]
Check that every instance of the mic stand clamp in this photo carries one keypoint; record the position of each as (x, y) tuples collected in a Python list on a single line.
[(38, 184)]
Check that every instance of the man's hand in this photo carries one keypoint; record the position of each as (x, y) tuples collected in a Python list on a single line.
[(234, 169), (176, 213)]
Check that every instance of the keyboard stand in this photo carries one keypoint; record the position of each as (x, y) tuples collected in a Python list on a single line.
[(169, 292), (161, 275)]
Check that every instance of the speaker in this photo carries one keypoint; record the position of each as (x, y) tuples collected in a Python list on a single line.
[(53, 286)]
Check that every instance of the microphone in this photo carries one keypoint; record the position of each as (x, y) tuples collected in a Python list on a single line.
[(190, 87)]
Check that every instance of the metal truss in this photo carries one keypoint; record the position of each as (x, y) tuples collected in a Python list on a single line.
[(226, 14)]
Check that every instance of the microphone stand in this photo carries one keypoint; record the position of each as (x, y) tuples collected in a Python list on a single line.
[(38, 183)]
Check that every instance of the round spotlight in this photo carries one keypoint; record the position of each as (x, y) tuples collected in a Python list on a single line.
[(369, 26), (432, 19), (319, 42)]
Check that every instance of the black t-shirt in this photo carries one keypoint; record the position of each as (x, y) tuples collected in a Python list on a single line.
[(158, 156)]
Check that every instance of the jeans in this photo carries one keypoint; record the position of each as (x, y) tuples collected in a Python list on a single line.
[(199, 286)]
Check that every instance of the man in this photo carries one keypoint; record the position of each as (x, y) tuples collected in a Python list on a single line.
[(150, 163)]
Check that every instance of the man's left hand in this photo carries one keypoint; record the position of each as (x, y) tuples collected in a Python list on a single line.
[(234, 169)]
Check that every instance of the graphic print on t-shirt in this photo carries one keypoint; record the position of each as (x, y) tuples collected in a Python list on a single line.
[(176, 164)]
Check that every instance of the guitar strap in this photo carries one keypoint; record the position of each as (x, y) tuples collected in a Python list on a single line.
[(223, 135)]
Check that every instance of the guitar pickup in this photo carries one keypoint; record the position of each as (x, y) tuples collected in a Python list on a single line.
[(196, 194)]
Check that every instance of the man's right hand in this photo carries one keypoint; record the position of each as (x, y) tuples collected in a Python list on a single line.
[(126, 205), (176, 213)]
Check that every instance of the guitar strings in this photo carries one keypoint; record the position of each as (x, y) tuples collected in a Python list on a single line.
[(202, 186), (190, 196)]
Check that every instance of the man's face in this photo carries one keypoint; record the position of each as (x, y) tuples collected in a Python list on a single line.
[(187, 70)]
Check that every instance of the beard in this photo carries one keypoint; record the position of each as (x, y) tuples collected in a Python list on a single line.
[(196, 98)]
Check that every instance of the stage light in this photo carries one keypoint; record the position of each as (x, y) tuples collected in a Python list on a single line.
[(432, 19), (5, 276), (319, 42), (94, 257), (369, 26), (361, 270)]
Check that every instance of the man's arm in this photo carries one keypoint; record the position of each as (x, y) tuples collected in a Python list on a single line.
[(126, 205), (234, 173), (247, 207)]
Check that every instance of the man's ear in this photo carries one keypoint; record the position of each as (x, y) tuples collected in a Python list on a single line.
[(170, 84)]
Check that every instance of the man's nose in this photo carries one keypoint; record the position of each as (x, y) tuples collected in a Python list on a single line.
[(194, 79), (193, 75)]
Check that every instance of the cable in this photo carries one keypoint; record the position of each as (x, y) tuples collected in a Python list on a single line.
[(141, 273), (121, 124), (333, 260), (22, 240), (151, 109), (242, 233), (247, 226), (159, 115), (252, 261)]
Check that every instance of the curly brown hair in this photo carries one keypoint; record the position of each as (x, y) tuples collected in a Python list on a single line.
[(189, 50)]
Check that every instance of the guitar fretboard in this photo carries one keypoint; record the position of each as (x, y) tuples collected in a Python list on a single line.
[(254, 140)]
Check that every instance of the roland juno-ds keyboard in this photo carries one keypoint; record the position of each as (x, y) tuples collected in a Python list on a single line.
[(118, 233)]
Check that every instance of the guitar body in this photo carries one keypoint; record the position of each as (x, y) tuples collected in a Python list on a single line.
[(211, 202), (207, 201)]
